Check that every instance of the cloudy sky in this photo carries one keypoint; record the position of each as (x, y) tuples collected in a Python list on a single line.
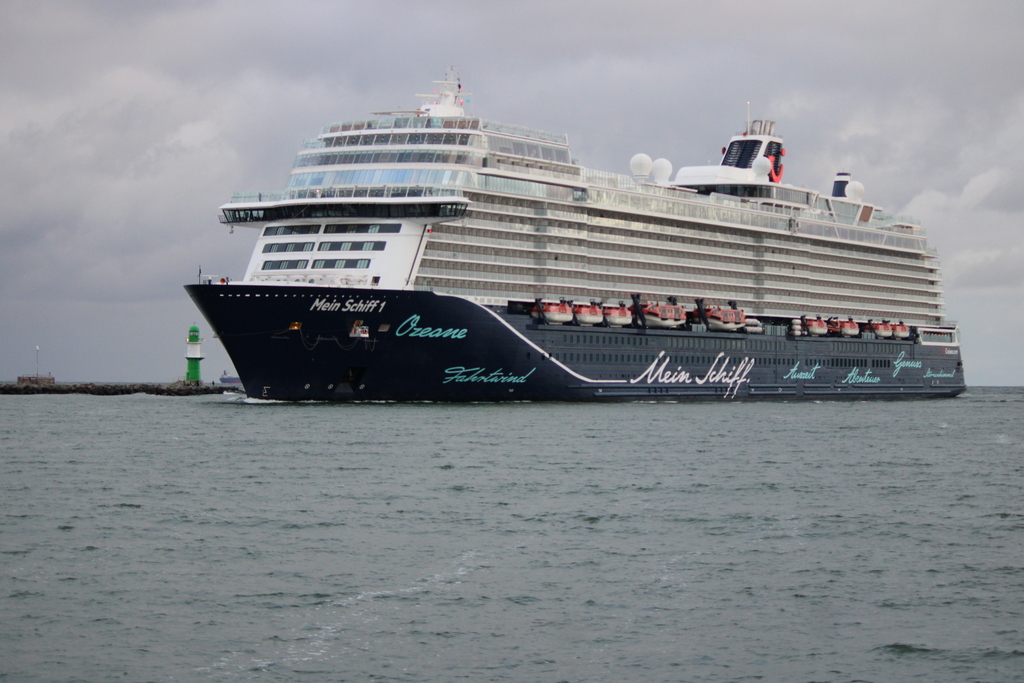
[(124, 125)]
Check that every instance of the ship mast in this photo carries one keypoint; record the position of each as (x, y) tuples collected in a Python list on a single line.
[(447, 100)]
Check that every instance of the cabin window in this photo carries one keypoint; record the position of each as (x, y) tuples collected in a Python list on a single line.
[(287, 246), (272, 230), (741, 153), (930, 336), (364, 228), (284, 265), (351, 246), (341, 263)]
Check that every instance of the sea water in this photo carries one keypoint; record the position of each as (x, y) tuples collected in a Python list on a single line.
[(219, 539)]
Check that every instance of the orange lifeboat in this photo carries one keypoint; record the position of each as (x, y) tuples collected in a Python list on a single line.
[(588, 314), (663, 315), (843, 328), (848, 328), (900, 331), (617, 316), (724, 319), (816, 327), (882, 330), (554, 313)]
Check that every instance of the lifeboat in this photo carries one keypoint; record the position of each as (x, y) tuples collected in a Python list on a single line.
[(843, 328), (663, 315), (724, 319), (753, 326), (588, 314), (617, 316), (900, 331), (882, 330), (554, 313), (816, 327)]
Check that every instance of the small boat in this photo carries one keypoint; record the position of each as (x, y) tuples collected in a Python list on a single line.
[(663, 315), (816, 327), (724, 319), (617, 316), (554, 313), (588, 314), (900, 331)]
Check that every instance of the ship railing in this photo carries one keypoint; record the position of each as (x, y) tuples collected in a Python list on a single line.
[(547, 172), (523, 132), (768, 241), (896, 220), (347, 192), (320, 279), (879, 220), (853, 233), (384, 191), (403, 122), (249, 197), (614, 181), (214, 279)]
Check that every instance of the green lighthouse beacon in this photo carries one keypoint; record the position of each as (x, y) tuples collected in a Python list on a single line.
[(193, 355)]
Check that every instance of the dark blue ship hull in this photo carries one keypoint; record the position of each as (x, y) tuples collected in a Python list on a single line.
[(330, 344)]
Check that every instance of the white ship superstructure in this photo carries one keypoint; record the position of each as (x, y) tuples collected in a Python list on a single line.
[(539, 225)]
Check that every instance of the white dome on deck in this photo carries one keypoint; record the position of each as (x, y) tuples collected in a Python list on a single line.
[(762, 166), (855, 190), (662, 171), (640, 165)]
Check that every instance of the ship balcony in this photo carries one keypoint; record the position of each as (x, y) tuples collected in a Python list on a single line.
[(610, 278)]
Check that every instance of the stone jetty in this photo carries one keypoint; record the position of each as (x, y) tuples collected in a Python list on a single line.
[(173, 389)]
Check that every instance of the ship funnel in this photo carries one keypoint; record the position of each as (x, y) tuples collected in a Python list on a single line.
[(839, 185)]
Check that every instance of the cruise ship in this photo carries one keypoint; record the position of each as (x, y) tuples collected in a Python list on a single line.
[(429, 255)]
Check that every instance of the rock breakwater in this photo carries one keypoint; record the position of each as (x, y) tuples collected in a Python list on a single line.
[(174, 389)]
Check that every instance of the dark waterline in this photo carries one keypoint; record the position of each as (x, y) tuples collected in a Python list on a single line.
[(209, 538)]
